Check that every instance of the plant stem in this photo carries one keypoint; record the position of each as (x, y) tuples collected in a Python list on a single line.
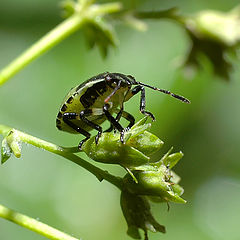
[(99, 173), (59, 33), (168, 14), (62, 31), (33, 224)]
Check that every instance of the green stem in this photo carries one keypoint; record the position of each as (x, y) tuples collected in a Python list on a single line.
[(168, 14), (33, 224), (99, 173), (62, 31), (59, 33)]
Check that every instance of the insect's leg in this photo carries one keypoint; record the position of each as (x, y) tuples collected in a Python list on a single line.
[(141, 89), (113, 121), (67, 117), (83, 114), (118, 117), (128, 117), (119, 114)]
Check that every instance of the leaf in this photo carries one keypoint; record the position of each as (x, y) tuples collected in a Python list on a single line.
[(172, 159), (100, 33), (68, 7)]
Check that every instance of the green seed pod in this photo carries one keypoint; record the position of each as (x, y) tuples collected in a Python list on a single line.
[(154, 182), (139, 145), (136, 210), (110, 150)]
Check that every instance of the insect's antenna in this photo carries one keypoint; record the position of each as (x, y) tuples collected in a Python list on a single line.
[(181, 98)]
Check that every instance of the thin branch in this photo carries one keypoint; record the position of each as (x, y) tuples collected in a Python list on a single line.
[(62, 31), (168, 14), (33, 224), (59, 33), (99, 173)]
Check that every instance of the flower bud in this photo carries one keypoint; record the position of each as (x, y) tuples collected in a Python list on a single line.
[(10, 144), (5, 151)]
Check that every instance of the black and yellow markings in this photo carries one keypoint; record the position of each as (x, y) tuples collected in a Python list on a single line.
[(92, 94), (64, 107), (79, 114), (59, 115), (70, 100), (58, 124)]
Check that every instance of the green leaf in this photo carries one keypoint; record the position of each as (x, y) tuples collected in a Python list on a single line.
[(145, 142), (140, 122), (174, 177), (68, 7), (100, 33), (98, 30), (160, 162), (136, 131), (172, 159), (177, 189)]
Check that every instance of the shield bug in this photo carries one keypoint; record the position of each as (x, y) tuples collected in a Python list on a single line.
[(94, 101)]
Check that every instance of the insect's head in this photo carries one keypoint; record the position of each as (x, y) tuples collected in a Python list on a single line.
[(114, 79), (119, 80)]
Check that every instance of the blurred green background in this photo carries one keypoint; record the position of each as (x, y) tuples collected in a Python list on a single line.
[(58, 192)]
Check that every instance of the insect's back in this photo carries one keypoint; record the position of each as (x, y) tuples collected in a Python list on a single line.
[(88, 95)]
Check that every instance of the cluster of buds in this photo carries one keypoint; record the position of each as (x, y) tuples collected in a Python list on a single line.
[(10, 144), (146, 180), (98, 30), (215, 35)]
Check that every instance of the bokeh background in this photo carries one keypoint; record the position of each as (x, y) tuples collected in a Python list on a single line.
[(60, 193)]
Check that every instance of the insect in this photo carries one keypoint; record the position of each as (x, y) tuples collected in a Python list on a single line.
[(89, 104)]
